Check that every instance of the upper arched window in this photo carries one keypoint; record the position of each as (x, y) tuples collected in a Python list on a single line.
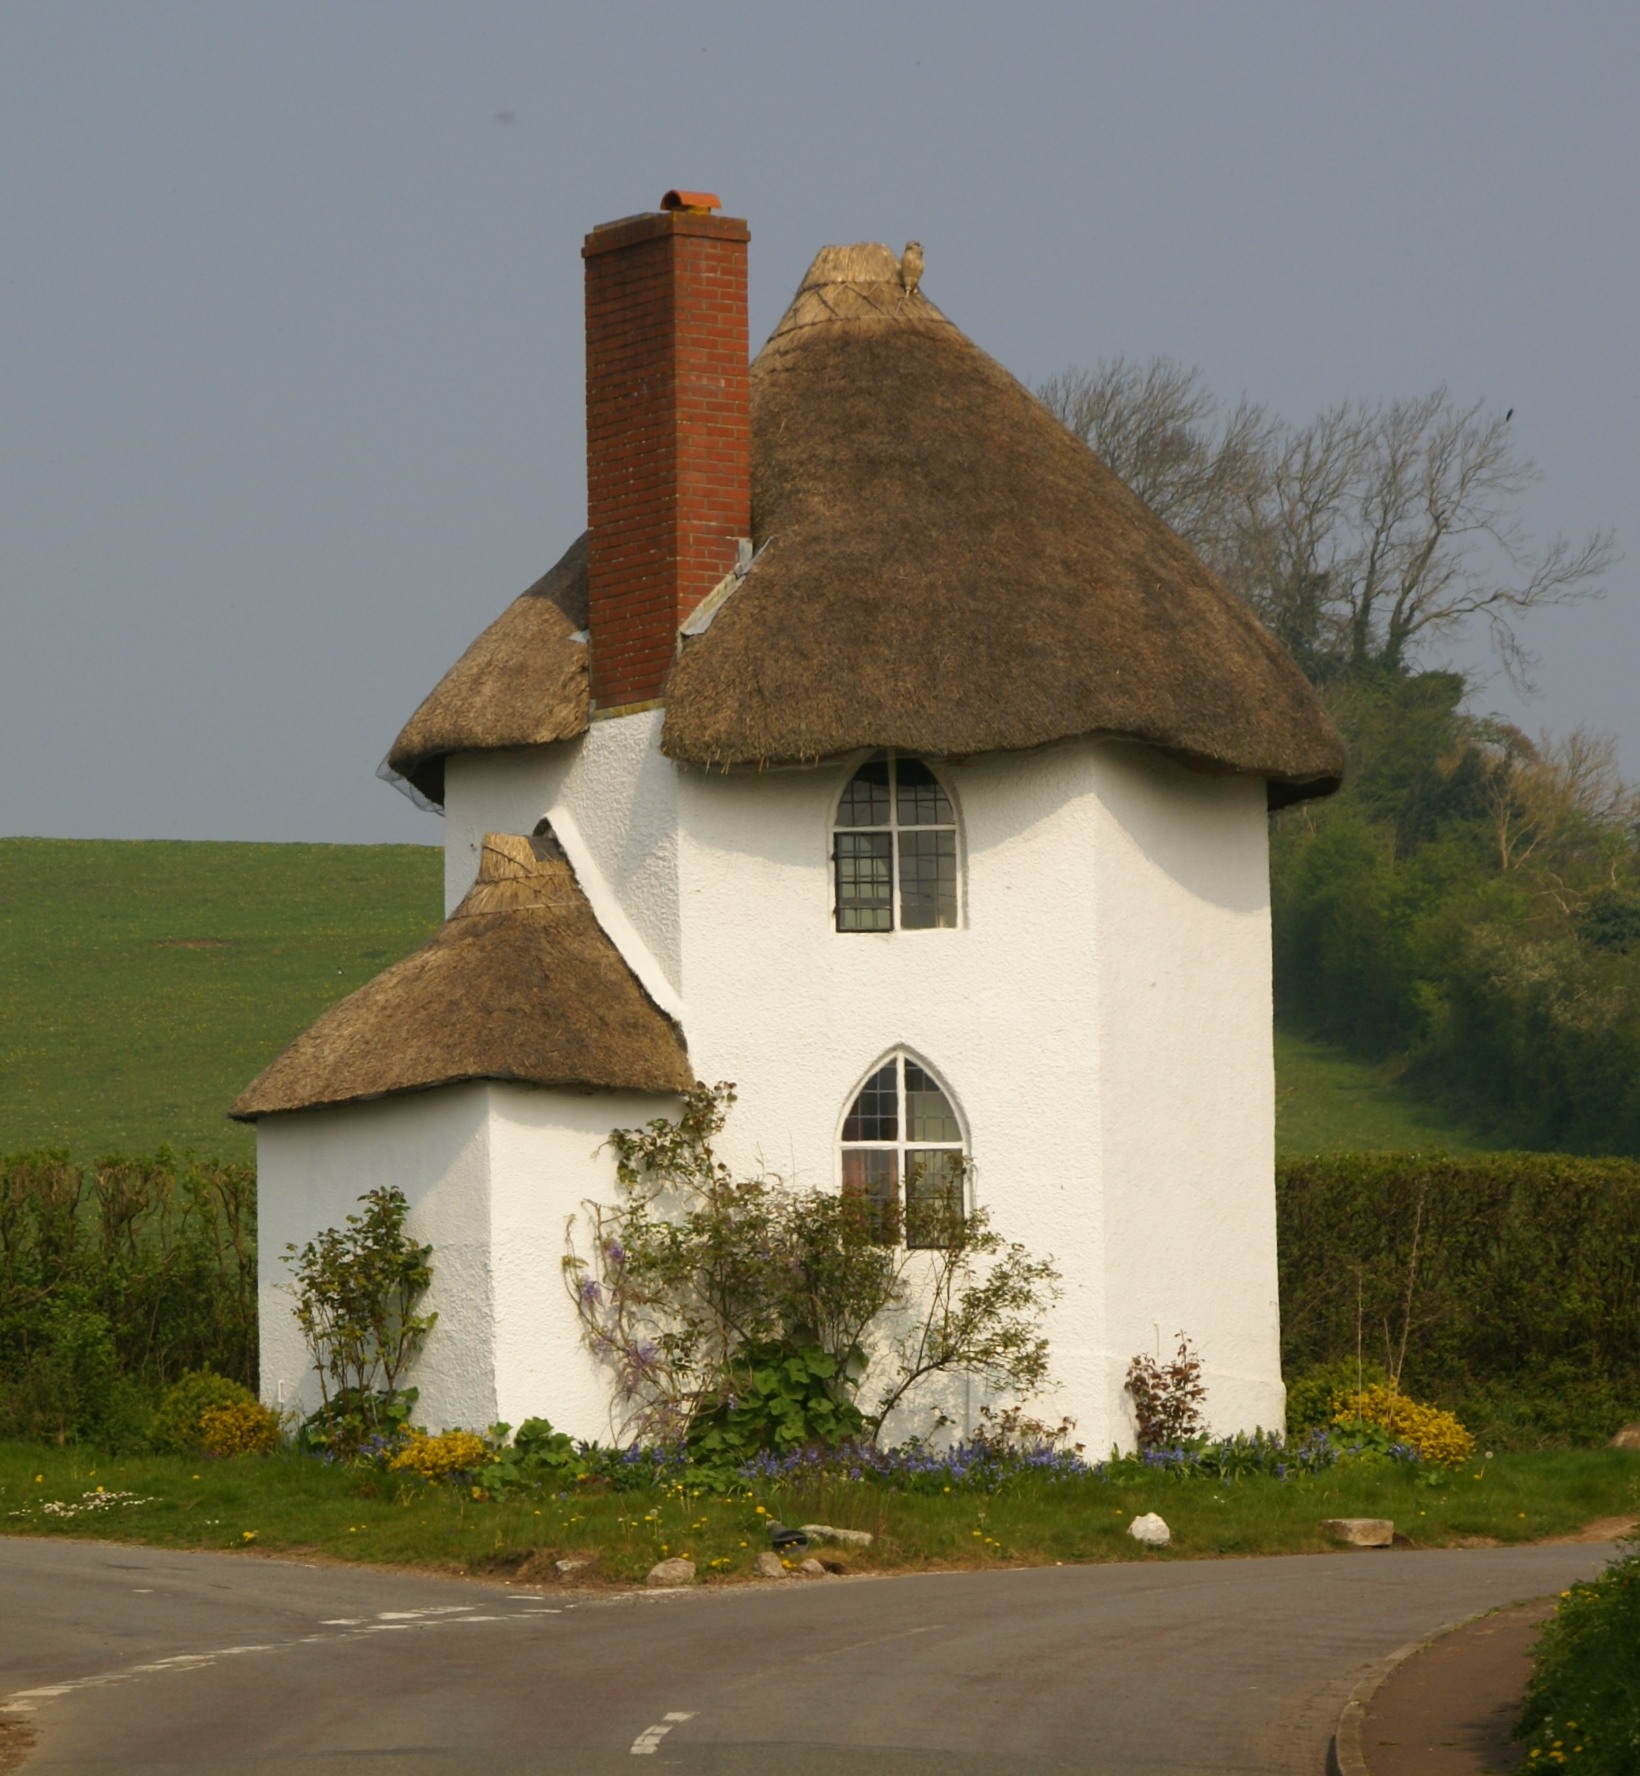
[(903, 1156), (895, 849)]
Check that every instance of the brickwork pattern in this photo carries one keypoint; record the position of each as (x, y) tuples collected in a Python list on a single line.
[(668, 436)]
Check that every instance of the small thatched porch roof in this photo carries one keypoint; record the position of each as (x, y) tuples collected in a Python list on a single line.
[(519, 983)]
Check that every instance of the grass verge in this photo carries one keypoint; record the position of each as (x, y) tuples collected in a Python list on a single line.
[(292, 1504)]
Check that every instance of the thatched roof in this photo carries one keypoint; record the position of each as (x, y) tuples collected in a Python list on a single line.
[(519, 983), (945, 569), (950, 571), (522, 683)]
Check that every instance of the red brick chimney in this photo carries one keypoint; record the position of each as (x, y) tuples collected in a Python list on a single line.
[(668, 433)]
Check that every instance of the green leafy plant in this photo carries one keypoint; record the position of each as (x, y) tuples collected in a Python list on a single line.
[(1582, 1706), (1167, 1398), (178, 1426), (356, 1291), (742, 1311)]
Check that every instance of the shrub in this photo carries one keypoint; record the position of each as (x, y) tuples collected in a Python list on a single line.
[(1582, 1707), (739, 1309), (356, 1289), (1310, 1397), (441, 1457), (1431, 1434), (1510, 1279), (246, 1427), (1167, 1398), (116, 1279), (178, 1428)]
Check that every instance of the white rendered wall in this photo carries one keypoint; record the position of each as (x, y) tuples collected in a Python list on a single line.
[(548, 1156), (1188, 1130), (1101, 1017), (493, 1174), (312, 1166)]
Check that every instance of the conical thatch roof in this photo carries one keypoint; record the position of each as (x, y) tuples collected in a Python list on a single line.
[(519, 983), (946, 570), (522, 683), (950, 571)]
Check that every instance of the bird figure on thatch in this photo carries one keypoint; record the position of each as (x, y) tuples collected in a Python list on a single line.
[(911, 267)]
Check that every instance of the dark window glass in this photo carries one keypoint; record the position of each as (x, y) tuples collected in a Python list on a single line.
[(876, 1112), (933, 1197), (928, 1112), (871, 1175), (865, 801), (865, 881), (928, 880), (921, 801)]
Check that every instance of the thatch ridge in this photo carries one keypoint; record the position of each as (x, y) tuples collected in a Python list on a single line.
[(523, 682), (954, 572), (519, 983)]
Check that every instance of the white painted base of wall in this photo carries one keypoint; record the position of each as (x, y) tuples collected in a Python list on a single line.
[(493, 1174)]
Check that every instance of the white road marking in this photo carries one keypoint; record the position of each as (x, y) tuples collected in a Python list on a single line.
[(647, 1742), (389, 1622)]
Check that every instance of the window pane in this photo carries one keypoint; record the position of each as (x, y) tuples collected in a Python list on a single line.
[(933, 1197), (928, 880), (865, 882), (921, 800), (865, 801), (876, 1112), (872, 1177), (928, 1112)]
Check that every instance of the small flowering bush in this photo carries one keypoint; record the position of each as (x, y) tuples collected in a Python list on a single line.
[(1434, 1435), (177, 1427), (446, 1456), (242, 1427), (1582, 1707)]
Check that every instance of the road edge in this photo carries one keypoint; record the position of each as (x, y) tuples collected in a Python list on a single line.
[(1345, 1756)]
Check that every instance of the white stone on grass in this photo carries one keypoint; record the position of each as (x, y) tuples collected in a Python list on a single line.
[(671, 1572), (770, 1566), (1151, 1530), (849, 1538)]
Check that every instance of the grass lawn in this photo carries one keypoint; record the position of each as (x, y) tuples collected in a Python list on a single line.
[(291, 1504), (1327, 1101), (144, 984)]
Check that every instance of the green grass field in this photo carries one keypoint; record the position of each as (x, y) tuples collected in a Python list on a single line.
[(143, 984)]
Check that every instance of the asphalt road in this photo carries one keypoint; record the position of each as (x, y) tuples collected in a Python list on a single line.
[(137, 1660)]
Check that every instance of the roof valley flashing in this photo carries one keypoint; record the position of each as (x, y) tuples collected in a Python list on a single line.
[(954, 573)]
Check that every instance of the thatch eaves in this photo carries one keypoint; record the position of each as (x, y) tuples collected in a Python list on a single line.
[(949, 571), (522, 683), (519, 983)]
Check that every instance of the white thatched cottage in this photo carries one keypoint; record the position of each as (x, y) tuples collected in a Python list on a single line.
[(910, 773)]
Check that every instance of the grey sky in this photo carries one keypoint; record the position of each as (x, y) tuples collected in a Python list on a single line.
[(290, 401)]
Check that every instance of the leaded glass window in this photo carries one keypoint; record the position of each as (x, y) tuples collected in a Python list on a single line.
[(895, 849), (903, 1158)]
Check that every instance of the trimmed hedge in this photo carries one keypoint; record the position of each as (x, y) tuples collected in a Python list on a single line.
[(1521, 1308), (115, 1280)]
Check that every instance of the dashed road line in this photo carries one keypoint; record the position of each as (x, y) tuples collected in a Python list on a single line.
[(649, 1739)]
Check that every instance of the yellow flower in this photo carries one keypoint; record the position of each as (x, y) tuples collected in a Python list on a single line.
[(39, 1478), (248, 1535)]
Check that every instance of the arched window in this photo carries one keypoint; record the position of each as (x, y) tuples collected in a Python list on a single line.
[(894, 851), (903, 1156)]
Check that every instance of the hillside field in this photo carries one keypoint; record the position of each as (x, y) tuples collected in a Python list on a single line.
[(144, 983)]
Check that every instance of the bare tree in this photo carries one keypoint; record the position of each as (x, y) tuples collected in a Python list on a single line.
[(1200, 467), (1360, 538)]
